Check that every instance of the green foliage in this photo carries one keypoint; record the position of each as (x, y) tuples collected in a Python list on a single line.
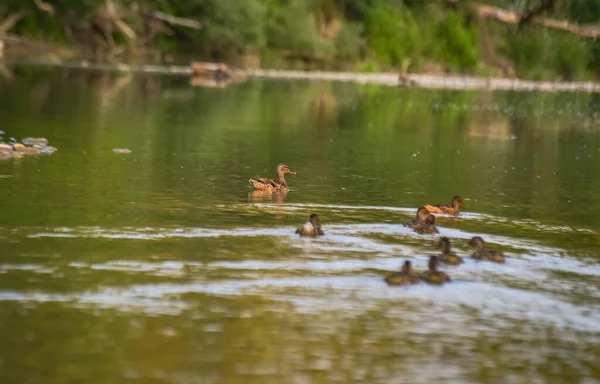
[(374, 34), (229, 26), (393, 34), (584, 11), (458, 43), (291, 26), (541, 55), (349, 43)]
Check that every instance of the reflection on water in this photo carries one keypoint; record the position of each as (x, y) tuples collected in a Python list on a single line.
[(162, 265), (278, 196)]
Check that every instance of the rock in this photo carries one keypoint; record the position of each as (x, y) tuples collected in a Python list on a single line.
[(26, 150), (6, 155), (47, 150), (121, 150), (35, 141)]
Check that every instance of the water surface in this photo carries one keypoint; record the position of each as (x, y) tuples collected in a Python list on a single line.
[(159, 266)]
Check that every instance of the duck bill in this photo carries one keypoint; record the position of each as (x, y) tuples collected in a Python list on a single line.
[(462, 205), (292, 172)]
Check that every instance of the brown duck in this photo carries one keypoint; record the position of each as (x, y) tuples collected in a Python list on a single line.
[(482, 253), (264, 184), (452, 209), (404, 277), (447, 256), (427, 226), (422, 215), (433, 276), (312, 227)]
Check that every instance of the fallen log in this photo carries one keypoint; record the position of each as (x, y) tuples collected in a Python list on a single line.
[(217, 71)]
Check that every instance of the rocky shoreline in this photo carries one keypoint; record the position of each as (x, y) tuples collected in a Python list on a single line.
[(390, 79)]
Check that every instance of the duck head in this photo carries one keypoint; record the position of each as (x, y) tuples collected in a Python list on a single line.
[(314, 220), (457, 202), (476, 242), (282, 169), (430, 220), (422, 214), (444, 245), (406, 267)]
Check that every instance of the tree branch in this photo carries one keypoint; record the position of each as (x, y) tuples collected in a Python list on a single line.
[(174, 20), (507, 17), (11, 21)]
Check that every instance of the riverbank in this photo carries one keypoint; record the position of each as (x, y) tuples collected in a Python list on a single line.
[(389, 79)]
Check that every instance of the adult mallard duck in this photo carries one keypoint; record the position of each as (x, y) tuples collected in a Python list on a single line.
[(482, 253), (312, 227), (264, 184), (427, 226), (405, 277), (422, 215), (433, 276), (452, 209), (447, 256)]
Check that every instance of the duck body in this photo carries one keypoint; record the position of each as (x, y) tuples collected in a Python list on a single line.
[(433, 276), (452, 209), (311, 228), (405, 277), (482, 253), (447, 256), (427, 226), (423, 222), (270, 185), (490, 255)]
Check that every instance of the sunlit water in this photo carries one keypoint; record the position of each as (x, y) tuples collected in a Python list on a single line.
[(159, 266)]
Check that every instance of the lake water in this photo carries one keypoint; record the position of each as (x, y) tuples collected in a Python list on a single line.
[(160, 266)]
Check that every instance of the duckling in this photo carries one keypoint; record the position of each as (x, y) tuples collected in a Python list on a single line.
[(264, 184), (481, 253), (404, 277), (312, 227), (433, 276), (428, 226), (452, 209), (422, 215), (447, 256)]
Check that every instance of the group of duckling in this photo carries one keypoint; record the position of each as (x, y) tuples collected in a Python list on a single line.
[(423, 223)]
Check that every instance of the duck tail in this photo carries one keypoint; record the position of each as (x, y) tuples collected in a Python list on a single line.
[(256, 184)]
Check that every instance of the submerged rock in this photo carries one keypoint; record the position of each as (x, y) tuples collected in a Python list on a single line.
[(47, 150), (121, 150), (25, 150), (41, 141)]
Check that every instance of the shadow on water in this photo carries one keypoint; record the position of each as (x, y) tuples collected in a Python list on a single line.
[(162, 266)]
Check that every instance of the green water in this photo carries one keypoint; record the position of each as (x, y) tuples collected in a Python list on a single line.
[(160, 266)]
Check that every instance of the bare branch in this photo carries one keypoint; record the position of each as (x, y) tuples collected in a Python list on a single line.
[(11, 21), (507, 17), (175, 20), (48, 8)]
